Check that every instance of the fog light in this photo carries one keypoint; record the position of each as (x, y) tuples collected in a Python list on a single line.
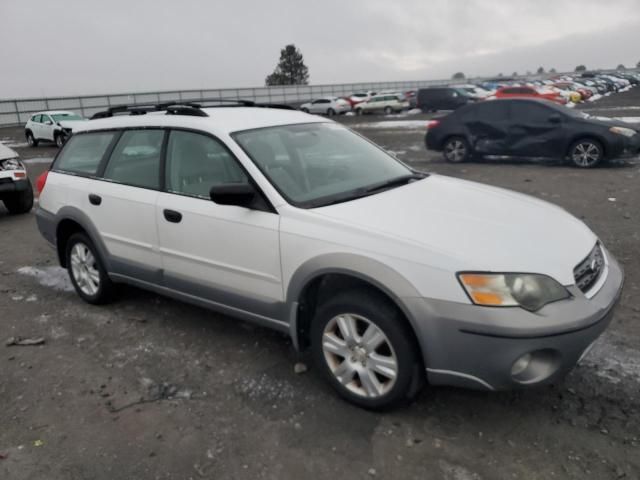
[(521, 364)]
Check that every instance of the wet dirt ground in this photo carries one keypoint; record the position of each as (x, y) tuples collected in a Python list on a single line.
[(150, 388)]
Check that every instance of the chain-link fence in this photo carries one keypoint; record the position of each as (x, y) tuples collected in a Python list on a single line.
[(17, 112)]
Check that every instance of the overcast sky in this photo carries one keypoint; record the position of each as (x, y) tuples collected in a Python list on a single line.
[(66, 47)]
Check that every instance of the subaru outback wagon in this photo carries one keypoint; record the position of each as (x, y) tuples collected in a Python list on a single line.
[(389, 276)]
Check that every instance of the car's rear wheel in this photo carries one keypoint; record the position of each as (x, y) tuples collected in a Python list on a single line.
[(365, 349), (305, 110), (359, 111), (31, 140), (20, 202), (388, 110), (456, 150), (586, 153), (86, 270), (331, 112)]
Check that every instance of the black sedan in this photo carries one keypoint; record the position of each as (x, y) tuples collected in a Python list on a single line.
[(530, 128)]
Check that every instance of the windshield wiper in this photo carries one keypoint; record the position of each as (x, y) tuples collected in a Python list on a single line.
[(394, 182), (370, 190)]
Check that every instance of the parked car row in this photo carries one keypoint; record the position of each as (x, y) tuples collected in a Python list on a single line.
[(360, 103)]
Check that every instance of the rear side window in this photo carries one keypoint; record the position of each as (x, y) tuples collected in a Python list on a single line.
[(197, 162), (136, 159), (83, 153)]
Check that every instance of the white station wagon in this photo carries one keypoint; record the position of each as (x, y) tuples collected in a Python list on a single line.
[(390, 276)]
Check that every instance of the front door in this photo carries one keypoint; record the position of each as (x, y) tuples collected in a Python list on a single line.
[(225, 254)]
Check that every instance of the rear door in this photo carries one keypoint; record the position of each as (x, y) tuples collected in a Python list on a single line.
[(487, 124), (47, 127), (531, 131), (120, 197), (36, 126), (226, 254)]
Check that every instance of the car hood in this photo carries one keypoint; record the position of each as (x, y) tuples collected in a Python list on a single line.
[(71, 124), (6, 152), (477, 227)]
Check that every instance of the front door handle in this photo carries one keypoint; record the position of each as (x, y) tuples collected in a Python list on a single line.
[(95, 199), (172, 216)]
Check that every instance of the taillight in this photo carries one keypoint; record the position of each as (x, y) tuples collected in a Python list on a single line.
[(433, 124), (41, 181)]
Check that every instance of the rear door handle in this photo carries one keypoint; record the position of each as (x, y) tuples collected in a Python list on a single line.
[(95, 199), (172, 216)]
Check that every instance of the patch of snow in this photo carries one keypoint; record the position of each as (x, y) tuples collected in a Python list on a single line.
[(408, 124), (13, 144), (350, 114), (595, 97), (32, 298), (414, 111), (52, 277), (37, 161), (628, 119)]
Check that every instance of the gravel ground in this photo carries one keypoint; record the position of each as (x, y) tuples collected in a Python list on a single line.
[(149, 388)]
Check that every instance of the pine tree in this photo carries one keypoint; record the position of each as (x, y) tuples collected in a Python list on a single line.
[(540, 70), (581, 68), (458, 76), (290, 70)]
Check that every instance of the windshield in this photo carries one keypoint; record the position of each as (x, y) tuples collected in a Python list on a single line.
[(317, 164), (58, 117)]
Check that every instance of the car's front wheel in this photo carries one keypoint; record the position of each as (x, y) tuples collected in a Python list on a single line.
[(586, 153), (388, 110), (86, 270), (456, 150), (60, 139), (364, 347), (20, 202), (359, 111), (331, 112)]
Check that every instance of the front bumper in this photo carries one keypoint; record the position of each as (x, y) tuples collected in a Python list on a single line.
[(476, 347)]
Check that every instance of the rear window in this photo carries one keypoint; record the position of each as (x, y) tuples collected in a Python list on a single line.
[(136, 159), (83, 153)]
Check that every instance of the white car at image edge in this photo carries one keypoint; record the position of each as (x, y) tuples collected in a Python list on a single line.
[(15, 188), (51, 126), (391, 277)]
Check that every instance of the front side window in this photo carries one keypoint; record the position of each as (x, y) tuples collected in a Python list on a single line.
[(83, 153), (319, 163), (197, 162), (36, 118), (136, 159)]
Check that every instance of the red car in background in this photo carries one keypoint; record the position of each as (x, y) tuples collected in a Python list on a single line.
[(585, 92), (528, 92)]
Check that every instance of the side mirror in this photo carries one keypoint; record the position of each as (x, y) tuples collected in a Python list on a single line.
[(48, 122), (555, 119), (239, 194)]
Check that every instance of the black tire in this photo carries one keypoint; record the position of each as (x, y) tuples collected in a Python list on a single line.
[(586, 153), (305, 110), (370, 308), (105, 289), (331, 112), (20, 202), (388, 110), (456, 150), (31, 140), (60, 139), (359, 111)]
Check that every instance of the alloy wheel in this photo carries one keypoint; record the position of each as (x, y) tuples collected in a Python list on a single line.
[(359, 355), (455, 151), (585, 154), (85, 269)]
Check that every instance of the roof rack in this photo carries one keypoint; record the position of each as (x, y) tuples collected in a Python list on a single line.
[(184, 107)]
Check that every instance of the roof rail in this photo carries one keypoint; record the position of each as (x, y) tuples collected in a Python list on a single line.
[(184, 107)]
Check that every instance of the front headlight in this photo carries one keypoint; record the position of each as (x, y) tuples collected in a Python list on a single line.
[(527, 290), (627, 132), (11, 164)]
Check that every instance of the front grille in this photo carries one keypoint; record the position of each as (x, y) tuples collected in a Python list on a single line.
[(589, 270)]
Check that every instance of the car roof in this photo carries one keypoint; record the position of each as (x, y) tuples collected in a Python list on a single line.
[(54, 112), (220, 120)]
